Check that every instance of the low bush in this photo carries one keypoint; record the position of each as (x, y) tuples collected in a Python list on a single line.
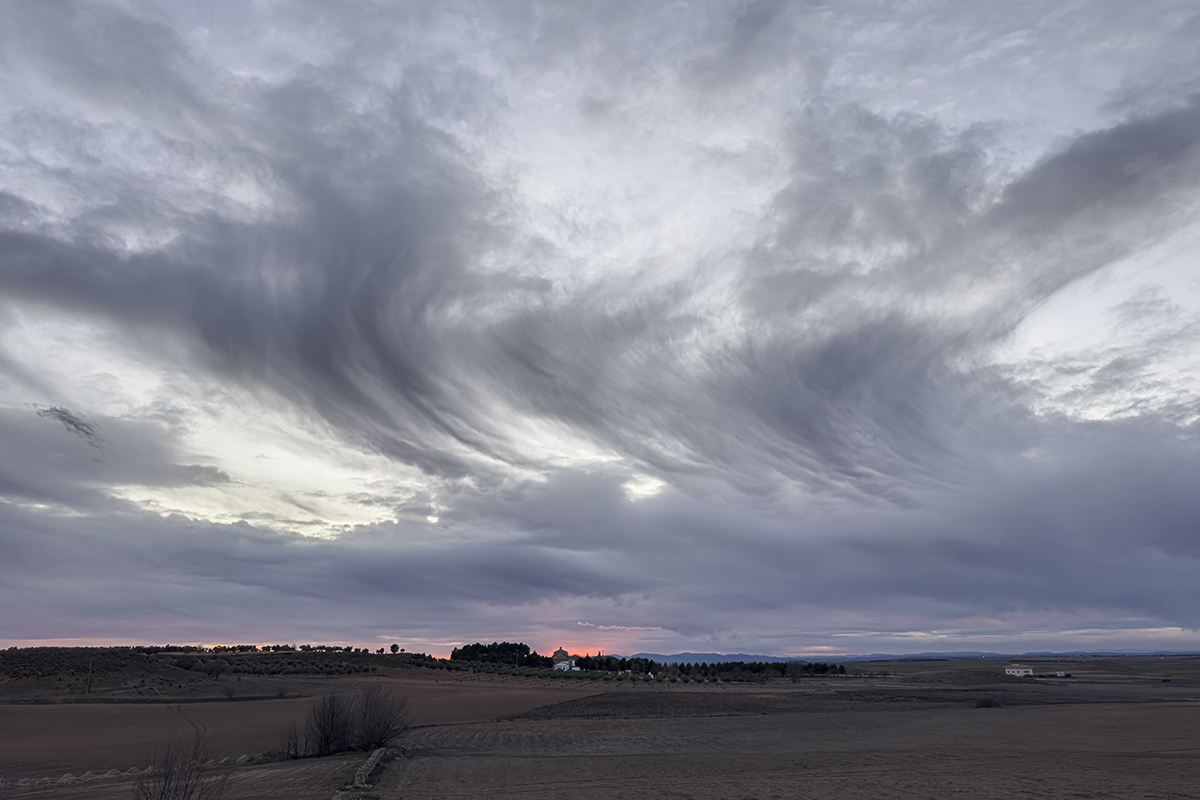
[(180, 770), (337, 723)]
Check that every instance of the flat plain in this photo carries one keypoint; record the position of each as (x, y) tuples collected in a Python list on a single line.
[(1118, 728)]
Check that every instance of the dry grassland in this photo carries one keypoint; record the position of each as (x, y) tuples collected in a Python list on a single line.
[(759, 745), (47, 739), (1115, 731)]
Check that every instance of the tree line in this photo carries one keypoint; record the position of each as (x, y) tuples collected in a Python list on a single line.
[(519, 654), (514, 657)]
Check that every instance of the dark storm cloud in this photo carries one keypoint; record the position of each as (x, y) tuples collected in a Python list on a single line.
[(835, 387), (831, 428), (81, 427), (701, 568), (242, 578), (339, 306), (1133, 166), (72, 465), (109, 60), (334, 303)]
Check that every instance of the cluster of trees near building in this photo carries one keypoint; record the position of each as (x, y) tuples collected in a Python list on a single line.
[(519, 654), (511, 654)]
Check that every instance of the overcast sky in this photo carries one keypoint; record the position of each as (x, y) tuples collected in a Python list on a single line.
[(774, 327)]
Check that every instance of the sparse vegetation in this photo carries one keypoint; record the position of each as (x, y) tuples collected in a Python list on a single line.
[(381, 717), (336, 723), (290, 744), (768, 712), (216, 667), (180, 770), (329, 726)]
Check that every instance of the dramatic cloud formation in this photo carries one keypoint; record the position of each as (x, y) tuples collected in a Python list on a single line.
[(746, 326)]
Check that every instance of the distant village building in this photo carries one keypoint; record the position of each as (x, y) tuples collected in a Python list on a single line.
[(563, 660), (1019, 670)]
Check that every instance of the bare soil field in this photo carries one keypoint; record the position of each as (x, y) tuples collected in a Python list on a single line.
[(309, 779), (1097, 751), (1114, 730), (868, 742), (40, 741)]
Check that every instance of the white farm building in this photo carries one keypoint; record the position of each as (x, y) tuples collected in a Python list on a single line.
[(564, 661), (1020, 670)]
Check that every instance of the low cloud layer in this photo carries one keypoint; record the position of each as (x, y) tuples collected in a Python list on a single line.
[(749, 327)]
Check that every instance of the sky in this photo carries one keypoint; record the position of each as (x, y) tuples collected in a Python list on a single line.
[(765, 327)]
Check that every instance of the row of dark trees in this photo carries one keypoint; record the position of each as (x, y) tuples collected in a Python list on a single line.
[(513, 654), (248, 648), (519, 654)]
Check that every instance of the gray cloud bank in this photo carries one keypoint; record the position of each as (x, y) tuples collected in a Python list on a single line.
[(340, 214)]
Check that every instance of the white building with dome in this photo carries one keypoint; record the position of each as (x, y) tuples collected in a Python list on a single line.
[(564, 661)]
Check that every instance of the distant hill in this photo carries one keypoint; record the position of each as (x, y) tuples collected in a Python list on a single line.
[(923, 656), (1037, 654), (716, 658), (710, 658)]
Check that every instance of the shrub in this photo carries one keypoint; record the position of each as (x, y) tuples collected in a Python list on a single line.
[(216, 667), (289, 741), (329, 727), (180, 771), (381, 717), (339, 722)]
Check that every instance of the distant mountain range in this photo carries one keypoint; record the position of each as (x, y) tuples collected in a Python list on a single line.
[(714, 658), (710, 658)]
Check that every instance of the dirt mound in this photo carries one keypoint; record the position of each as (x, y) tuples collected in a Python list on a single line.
[(962, 677)]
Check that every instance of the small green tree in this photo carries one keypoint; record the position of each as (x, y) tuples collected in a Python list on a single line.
[(395, 649)]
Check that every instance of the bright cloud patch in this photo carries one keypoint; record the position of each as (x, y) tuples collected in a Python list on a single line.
[(731, 326)]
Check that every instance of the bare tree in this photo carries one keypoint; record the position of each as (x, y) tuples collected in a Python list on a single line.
[(289, 741), (338, 722), (180, 771), (381, 717), (329, 727)]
